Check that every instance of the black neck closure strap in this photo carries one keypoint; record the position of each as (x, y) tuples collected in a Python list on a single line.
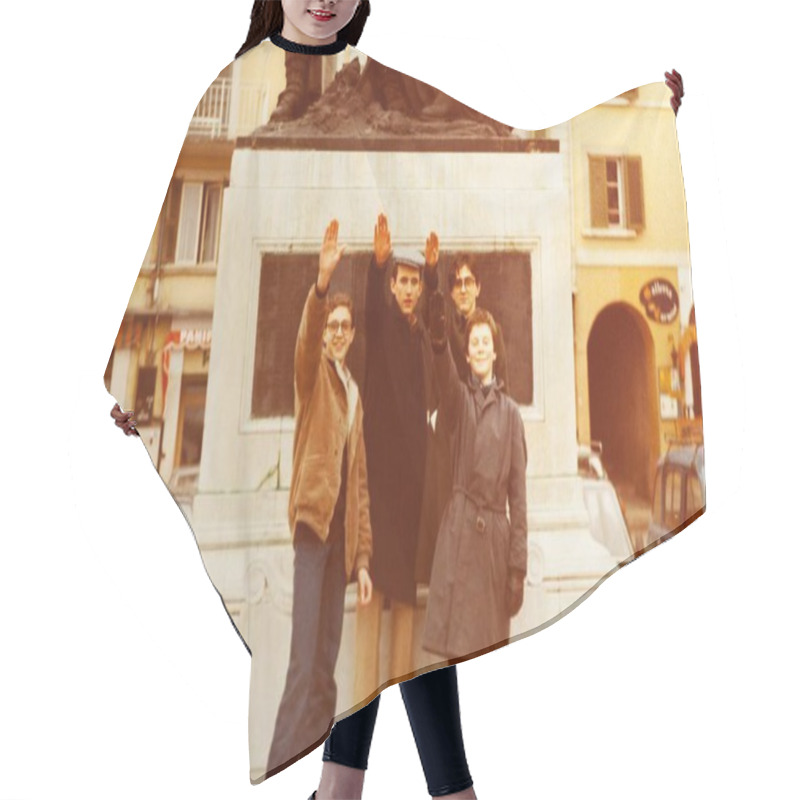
[(310, 49)]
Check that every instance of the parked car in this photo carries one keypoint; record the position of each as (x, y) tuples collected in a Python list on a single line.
[(606, 517), (679, 489)]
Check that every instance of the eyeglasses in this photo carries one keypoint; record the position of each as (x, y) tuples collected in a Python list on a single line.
[(345, 326), (464, 283)]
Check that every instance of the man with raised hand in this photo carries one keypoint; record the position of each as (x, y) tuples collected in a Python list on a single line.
[(328, 509), (399, 412)]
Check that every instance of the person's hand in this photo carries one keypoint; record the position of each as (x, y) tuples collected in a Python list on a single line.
[(329, 255), (124, 420), (675, 83), (382, 243), (437, 325), (515, 593), (364, 587), (432, 251)]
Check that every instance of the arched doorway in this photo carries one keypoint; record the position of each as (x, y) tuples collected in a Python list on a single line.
[(623, 412)]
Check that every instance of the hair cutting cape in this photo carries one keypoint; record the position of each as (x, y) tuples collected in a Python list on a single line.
[(294, 471)]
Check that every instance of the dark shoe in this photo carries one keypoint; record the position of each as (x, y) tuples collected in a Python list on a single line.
[(313, 795)]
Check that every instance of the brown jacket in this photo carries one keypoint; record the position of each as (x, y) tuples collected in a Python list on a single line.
[(321, 430)]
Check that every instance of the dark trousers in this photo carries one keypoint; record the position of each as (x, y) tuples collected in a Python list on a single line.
[(309, 696), (431, 702)]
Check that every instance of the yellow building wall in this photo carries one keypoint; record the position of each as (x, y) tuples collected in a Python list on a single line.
[(645, 128), (613, 266)]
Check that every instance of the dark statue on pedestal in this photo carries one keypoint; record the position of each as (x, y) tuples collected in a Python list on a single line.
[(374, 102)]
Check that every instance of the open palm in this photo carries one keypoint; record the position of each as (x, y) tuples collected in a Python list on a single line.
[(382, 244), (330, 253), (432, 250)]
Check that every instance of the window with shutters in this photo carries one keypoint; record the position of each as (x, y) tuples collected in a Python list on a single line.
[(188, 228), (209, 229), (616, 194), (284, 284)]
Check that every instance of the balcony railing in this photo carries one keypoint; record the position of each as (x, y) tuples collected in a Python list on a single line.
[(214, 116)]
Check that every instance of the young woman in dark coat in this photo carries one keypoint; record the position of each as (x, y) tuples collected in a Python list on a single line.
[(481, 553)]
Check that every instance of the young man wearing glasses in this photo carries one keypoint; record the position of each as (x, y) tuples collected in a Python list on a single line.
[(464, 283), (328, 508)]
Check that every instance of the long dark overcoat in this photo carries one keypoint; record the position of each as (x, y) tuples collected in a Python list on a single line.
[(399, 399), (484, 530)]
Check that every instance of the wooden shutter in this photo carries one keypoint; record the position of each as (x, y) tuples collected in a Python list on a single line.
[(211, 214), (634, 195), (598, 194), (189, 226), (172, 211)]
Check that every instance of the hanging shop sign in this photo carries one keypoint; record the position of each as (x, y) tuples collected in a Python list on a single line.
[(660, 300)]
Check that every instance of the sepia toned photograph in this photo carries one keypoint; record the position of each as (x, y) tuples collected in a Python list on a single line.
[(394, 485), (419, 381)]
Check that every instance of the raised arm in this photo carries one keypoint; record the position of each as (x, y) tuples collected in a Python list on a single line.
[(450, 385), (308, 349), (430, 276), (501, 364), (375, 298)]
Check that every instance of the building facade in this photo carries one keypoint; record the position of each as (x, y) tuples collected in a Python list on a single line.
[(637, 377), (159, 364)]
